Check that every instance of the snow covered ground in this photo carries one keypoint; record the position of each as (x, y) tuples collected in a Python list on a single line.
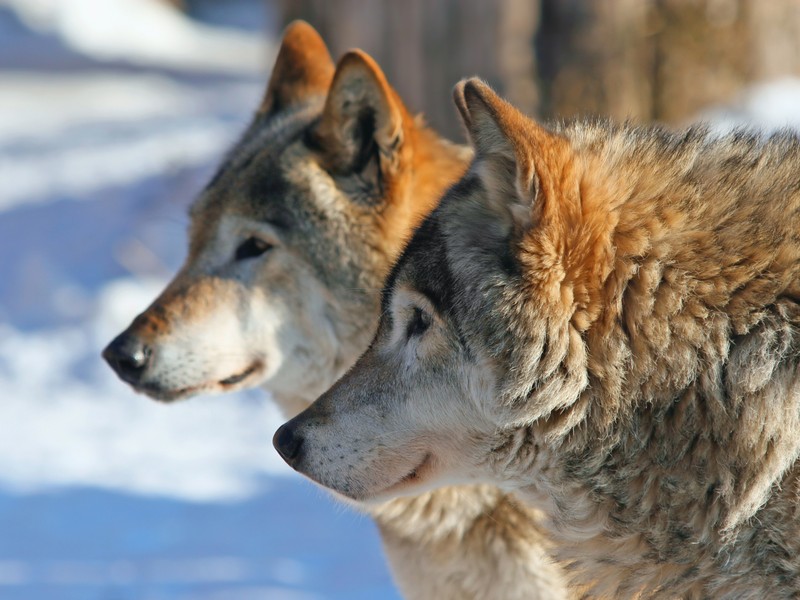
[(768, 107), (148, 32), (105, 494)]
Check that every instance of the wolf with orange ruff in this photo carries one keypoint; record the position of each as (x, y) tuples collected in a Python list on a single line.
[(604, 320), (288, 249)]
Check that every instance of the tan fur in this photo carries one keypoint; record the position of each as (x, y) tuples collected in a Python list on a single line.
[(302, 69), (296, 318), (623, 354)]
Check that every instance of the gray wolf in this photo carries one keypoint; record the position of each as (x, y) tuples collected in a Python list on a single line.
[(603, 319), (288, 249)]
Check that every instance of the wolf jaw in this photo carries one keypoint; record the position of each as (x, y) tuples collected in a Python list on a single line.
[(327, 234), (614, 333)]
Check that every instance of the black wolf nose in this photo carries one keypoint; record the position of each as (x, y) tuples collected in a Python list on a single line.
[(128, 356), (288, 443)]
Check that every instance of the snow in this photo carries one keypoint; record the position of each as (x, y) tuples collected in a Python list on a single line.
[(104, 493), (90, 432), (284, 542), (767, 106), (145, 32)]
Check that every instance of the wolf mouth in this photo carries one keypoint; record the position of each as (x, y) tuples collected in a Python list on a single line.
[(156, 392), (234, 379), (414, 476)]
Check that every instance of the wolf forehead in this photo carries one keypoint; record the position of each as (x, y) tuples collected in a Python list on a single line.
[(429, 265), (253, 174), (423, 266)]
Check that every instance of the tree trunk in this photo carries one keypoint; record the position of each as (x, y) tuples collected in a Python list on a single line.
[(426, 46), (645, 60)]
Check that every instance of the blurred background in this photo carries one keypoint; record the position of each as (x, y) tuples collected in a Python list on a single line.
[(113, 114)]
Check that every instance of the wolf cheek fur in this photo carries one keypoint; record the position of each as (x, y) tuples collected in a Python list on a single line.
[(613, 334)]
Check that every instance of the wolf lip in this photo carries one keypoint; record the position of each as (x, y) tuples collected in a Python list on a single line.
[(160, 394), (234, 379), (412, 476)]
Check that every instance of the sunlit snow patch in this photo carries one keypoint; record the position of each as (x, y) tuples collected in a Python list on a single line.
[(765, 107), (66, 423), (145, 32)]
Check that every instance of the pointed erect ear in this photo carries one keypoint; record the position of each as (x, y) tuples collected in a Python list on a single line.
[(516, 158), (362, 115), (501, 135), (304, 68)]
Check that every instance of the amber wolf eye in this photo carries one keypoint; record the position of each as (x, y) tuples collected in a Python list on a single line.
[(418, 324), (251, 248)]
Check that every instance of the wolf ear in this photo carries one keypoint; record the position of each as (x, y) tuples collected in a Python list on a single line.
[(363, 116), (303, 68), (512, 151)]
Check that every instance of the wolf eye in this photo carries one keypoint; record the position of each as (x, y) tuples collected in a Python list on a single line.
[(418, 324), (251, 248)]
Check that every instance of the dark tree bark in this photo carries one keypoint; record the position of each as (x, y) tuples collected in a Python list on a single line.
[(426, 46), (645, 60)]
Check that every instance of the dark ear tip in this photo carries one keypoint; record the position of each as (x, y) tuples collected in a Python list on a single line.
[(475, 90)]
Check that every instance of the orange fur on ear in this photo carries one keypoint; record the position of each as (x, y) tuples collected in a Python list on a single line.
[(303, 68), (360, 93), (497, 127), (500, 132), (534, 174)]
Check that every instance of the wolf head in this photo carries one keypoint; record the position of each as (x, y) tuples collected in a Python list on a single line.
[(482, 323), (290, 241)]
